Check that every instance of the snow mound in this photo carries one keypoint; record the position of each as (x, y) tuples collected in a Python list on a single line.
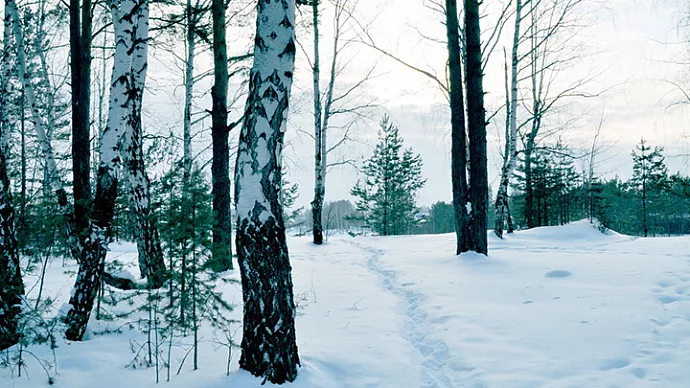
[(581, 230)]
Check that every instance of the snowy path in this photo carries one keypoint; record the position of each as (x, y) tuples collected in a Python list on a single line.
[(418, 329), (550, 307)]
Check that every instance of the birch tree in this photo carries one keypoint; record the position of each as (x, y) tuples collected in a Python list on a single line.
[(95, 245), (330, 103), (151, 261), (510, 153), (552, 49), (57, 186), (269, 349), (11, 284)]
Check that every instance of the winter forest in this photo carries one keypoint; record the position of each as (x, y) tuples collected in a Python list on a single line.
[(344, 193)]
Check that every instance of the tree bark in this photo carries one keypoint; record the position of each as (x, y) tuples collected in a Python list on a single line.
[(269, 347), (96, 243), (80, 65), (501, 205), (11, 285), (458, 140), (476, 122), (220, 166), (151, 261), (319, 192)]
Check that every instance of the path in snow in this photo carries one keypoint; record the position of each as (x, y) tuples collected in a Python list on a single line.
[(418, 330)]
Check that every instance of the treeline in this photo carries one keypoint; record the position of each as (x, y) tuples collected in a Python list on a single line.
[(651, 202)]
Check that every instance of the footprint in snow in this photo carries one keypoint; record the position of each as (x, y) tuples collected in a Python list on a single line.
[(615, 363), (558, 273), (667, 299)]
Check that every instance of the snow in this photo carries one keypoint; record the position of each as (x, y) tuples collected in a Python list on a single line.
[(550, 307)]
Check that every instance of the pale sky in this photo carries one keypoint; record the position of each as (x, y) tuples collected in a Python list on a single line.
[(630, 47)]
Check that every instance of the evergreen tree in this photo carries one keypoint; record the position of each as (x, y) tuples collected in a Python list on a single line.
[(392, 178), (649, 176), (441, 218)]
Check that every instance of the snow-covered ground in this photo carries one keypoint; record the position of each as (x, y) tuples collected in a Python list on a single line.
[(550, 307)]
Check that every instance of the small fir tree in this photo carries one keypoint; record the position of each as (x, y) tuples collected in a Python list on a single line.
[(393, 176)]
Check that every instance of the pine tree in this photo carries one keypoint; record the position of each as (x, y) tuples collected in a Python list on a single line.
[(649, 176), (392, 178)]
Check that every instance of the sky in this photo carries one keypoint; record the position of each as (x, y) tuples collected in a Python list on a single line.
[(631, 49)]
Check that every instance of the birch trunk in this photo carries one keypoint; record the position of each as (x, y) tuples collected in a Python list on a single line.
[(11, 285), (96, 244), (319, 192), (151, 261), (458, 140), (321, 120), (269, 348), (220, 167), (476, 127), (501, 205), (46, 148)]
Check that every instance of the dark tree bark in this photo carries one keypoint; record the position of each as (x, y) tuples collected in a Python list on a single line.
[(269, 347), (220, 166), (476, 121), (11, 285), (80, 20), (458, 140)]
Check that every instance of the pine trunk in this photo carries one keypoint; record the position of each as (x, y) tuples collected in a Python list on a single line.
[(476, 122), (220, 166), (151, 261), (96, 243), (269, 347), (11, 285), (80, 65), (458, 140), (317, 203)]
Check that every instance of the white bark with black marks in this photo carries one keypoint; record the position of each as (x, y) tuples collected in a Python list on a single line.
[(11, 285), (151, 261), (96, 242), (510, 156), (269, 349)]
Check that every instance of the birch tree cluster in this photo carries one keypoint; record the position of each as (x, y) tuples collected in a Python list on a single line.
[(164, 124)]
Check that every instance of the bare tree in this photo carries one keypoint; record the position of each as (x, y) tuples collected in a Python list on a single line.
[(510, 154), (552, 26), (332, 102), (269, 347)]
